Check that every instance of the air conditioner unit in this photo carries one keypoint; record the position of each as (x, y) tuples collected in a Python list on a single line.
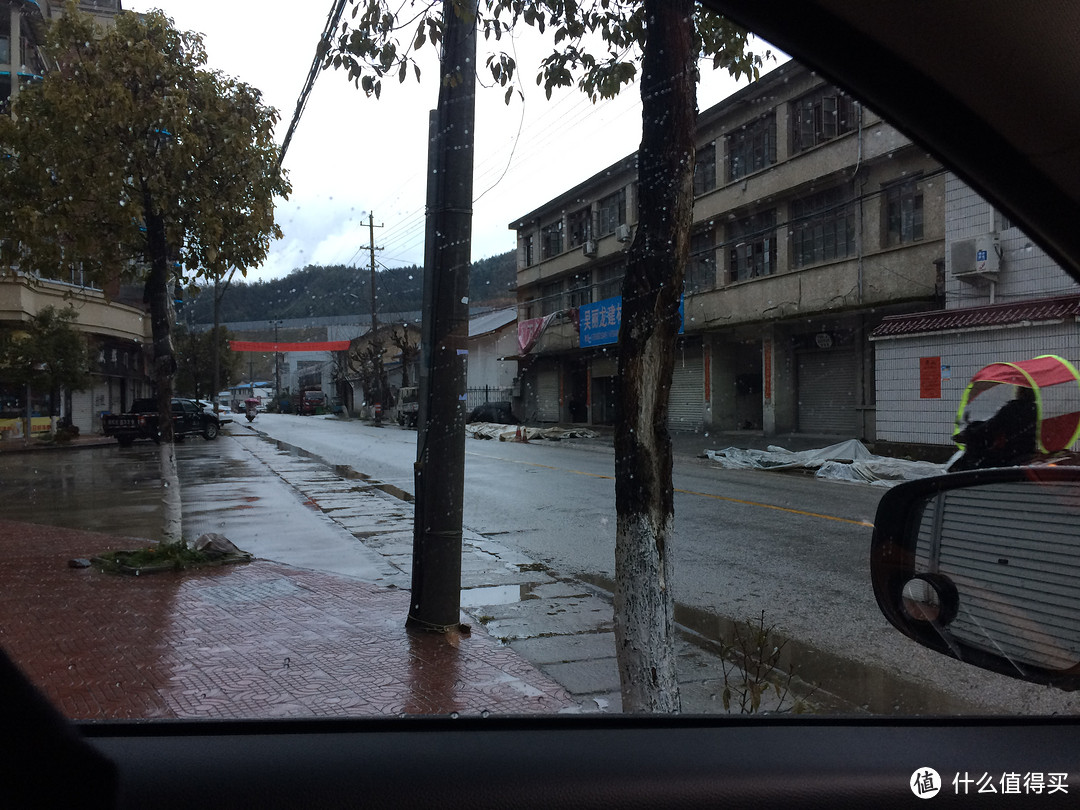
[(590, 248), (622, 233), (976, 259)]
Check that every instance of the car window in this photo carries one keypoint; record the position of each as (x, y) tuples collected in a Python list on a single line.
[(842, 288)]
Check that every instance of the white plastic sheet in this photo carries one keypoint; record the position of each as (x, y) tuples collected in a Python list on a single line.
[(510, 433), (846, 461)]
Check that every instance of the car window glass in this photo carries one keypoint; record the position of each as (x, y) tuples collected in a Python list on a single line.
[(842, 286)]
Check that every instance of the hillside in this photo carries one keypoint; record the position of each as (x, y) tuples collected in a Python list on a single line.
[(316, 291)]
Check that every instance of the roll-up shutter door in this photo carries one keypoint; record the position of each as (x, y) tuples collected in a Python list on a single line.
[(826, 391), (82, 411), (547, 395), (686, 403), (1023, 563)]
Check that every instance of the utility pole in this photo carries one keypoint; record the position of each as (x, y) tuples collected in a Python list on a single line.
[(376, 341), (440, 451), (277, 367)]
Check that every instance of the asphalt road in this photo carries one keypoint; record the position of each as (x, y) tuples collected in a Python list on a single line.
[(782, 545), (748, 544)]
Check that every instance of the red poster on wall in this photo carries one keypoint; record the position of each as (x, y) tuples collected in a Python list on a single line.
[(766, 371), (930, 378)]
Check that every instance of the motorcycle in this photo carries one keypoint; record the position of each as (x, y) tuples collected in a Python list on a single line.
[(251, 409)]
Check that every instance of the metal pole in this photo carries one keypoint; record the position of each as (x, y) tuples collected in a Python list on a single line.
[(376, 343), (440, 456), (277, 367)]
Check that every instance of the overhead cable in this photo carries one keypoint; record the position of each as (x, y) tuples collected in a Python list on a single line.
[(332, 21)]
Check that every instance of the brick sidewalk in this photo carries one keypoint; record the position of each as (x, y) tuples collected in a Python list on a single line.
[(260, 640)]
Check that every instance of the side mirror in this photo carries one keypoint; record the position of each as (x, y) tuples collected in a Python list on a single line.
[(984, 566)]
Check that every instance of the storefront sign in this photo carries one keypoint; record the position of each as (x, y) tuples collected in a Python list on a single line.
[(599, 322)]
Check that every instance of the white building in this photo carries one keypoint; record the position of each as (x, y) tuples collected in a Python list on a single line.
[(1005, 300)]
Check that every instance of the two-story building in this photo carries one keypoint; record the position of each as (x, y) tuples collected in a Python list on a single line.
[(813, 220), (116, 325), (1005, 300)]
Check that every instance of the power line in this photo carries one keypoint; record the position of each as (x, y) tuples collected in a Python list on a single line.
[(332, 21)]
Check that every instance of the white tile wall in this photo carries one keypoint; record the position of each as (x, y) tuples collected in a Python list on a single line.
[(902, 416), (1026, 271)]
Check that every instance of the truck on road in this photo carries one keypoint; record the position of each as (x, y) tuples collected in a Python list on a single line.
[(141, 422)]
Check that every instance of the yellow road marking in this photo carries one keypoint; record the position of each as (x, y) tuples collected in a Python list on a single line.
[(866, 523), (777, 508)]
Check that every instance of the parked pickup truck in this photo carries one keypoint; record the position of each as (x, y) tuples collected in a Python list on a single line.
[(141, 422)]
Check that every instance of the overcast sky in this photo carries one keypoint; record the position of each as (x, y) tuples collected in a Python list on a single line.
[(352, 155)]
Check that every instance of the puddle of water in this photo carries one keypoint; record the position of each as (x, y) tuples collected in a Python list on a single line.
[(495, 595)]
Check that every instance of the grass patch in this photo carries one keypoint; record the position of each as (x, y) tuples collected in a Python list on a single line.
[(171, 557)]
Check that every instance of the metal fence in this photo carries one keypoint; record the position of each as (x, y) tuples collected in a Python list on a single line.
[(474, 397)]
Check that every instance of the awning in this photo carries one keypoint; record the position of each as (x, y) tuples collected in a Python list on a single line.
[(1057, 410), (994, 315)]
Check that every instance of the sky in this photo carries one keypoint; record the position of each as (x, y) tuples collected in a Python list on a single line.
[(354, 156)]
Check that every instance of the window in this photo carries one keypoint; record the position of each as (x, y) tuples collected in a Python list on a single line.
[(529, 309), (701, 267), (579, 227), (551, 239), (903, 213), (822, 228), (705, 169), (752, 148), (528, 250), (820, 117), (551, 297), (612, 212), (609, 281), (579, 290), (752, 251)]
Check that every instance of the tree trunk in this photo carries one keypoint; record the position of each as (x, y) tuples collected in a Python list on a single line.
[(161, 318), (216, 378), (644, 501)]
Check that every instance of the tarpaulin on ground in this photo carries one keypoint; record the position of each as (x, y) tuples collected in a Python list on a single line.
[(509, 433), (846, 461)]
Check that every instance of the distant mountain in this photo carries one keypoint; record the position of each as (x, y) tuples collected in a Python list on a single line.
[(317, 291)]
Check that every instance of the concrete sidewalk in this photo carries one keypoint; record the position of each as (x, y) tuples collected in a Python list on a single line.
[(315, 626), (256, 640)]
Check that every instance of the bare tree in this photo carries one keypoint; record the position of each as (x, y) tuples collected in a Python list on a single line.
[(667, 38)]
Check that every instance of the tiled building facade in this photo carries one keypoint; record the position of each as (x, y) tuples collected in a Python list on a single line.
[(813, 220), (1006, 300)]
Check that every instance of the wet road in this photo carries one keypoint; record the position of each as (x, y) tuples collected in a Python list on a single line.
[(747, 542), (224, 489)]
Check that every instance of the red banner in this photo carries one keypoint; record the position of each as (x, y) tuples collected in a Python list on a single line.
[(270, 346)]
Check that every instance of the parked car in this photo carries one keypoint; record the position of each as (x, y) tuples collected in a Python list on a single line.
[(190, 418)]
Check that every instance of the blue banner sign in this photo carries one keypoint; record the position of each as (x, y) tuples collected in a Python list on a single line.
[(598, 323)]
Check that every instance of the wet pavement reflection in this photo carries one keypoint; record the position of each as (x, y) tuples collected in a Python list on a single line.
[(259, 640), (106, 488)]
